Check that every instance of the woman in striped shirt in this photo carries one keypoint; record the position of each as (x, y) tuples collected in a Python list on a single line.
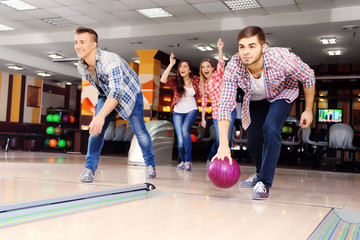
[(210, 82)]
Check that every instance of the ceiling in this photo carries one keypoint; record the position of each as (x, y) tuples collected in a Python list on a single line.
[(298, 24)]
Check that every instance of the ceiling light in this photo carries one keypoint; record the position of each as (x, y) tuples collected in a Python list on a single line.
[(241, 4), (68, 83), (204, 48), (59, 21), (16, 67), (154, 12), (44, 74), (19, 5), (328, 40), (137, 61), (5, 28), (334, 52), (225, 58), (55, 56)]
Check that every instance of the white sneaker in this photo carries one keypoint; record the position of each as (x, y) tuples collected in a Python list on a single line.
[(181, 166), (150, 172), (187, 166), (250, 182), (87, 175)]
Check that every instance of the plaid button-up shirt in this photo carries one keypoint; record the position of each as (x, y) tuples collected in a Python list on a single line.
[(212, 90), (116, 79), (282, 71)]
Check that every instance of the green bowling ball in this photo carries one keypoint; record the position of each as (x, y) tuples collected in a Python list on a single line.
[(285, 129), (46, 142), (50, 130), (49, 118), (290, 130), (56, 118), (61, 143)]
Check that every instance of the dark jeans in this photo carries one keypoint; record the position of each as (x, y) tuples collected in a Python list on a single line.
[(264, 136), (136, 121)]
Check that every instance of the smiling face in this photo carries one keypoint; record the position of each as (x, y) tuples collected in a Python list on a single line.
[(251, 50), (184, 69), (207, 69), (85, 45)]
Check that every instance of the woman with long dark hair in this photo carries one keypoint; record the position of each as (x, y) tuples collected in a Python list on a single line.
[(184, 107)]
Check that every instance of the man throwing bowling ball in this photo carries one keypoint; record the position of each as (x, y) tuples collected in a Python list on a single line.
[(269, 78)]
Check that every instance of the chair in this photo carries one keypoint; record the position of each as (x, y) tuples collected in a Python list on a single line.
[(340, 139), (119, 132), (293, 147), (212, 135), (109, 132), (199, 131), (129, 133), (315, 145), (240, 138)]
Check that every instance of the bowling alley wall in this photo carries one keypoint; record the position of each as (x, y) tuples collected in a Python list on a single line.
[(20, 98)]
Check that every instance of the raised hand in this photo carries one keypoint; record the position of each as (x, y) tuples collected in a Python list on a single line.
[(172, 59), (220, 44)]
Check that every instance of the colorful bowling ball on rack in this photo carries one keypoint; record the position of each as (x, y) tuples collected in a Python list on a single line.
[(56, 118), (53, 143), (222, 174), (58, 130), (50, 130), (46, 142), (72, 118), (69, 143), (61, 143), (65, 118), (49, 118)]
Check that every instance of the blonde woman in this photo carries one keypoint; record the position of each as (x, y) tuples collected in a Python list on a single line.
[(210, 83)]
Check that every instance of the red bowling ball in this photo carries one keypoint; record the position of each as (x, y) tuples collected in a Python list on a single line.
[(222, 174), (65, 118)]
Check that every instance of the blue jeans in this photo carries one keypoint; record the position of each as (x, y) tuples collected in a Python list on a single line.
[(264, 136), (215, 146), (136, 121), (182, 124)]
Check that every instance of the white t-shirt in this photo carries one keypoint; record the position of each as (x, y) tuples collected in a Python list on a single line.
[(187, 102), (258, 91)]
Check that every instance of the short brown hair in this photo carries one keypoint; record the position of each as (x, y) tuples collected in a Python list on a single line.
[(251, 31), (80, 30)]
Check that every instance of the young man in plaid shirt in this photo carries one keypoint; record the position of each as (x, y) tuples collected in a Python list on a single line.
[(269, 78), (120, 92)]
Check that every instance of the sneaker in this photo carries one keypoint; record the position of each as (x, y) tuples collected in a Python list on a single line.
[(181, 166), (87, 175), (261, 192), (187, 166), (150, 172), (250, 182)]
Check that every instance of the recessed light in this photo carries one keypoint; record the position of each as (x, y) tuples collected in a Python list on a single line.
[(332, 40), (55, 56), (350, 27), (337, 52), (154, 12), (59, 21), (205, 48), (225, 57), (44, 74), (241, 4), (16, 67), (19, 5)]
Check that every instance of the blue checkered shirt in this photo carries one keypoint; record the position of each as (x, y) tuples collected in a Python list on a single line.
[(282, 70), (116, 79)]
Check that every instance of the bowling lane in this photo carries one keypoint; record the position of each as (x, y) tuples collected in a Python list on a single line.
[(179, 216)]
